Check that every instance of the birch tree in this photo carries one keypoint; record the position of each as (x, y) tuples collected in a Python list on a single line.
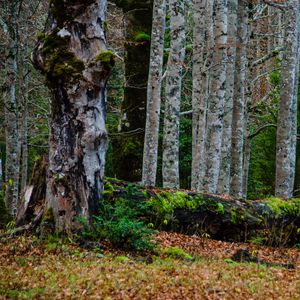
[(224, 176), (202, 46), (287, 116), (173, 95), (216, 99), (154, 93), (73, 57)]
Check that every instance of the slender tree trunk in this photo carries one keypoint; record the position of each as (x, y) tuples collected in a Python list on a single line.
[(238, 119), (173, 95), (286, 124), (224, 176), (248, 103), (23, 119), (216, 99), (72, 54), (203, 32), (128, 147), (154, 93), (11, 116)]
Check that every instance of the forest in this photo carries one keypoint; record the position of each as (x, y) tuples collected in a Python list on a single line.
[(149, 149)]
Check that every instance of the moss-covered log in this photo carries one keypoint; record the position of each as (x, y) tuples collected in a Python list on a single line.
[(128, 145), (270, 221)]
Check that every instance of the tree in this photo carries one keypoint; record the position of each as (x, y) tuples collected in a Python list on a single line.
[(72, 55), (173, 95), (10, 26), (238, 121), (216, 99), (202, 45), (224, 176), (154, 94), (287, 116)]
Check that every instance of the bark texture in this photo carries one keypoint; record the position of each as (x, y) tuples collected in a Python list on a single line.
[(287, 116), (128, 147), (170, 163), (11, 114), (202, 37), (154, 93), (216, 99), (73, 56), (224, 176), (238, 126)]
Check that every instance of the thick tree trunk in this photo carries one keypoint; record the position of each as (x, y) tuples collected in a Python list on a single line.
[(128, 147), (170, 165), (203, 35), (72, 54), (224, 176), (216, 99), (154, 93), (286, 124), (238, 125), (11, 116)]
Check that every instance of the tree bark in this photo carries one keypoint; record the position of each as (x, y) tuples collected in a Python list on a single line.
[(128, 147), (73, 57), (238, 118), (154, 94), (170, 165), (224, 176), (286, 124), (11, 115), (202, 40), (216, 99)]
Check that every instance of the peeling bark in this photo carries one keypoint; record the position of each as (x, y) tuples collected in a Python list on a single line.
[(73, 57)]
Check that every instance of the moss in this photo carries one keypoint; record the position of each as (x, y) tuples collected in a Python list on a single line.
[(4, 217), (108, 190), (237, 215), (142, 37), (48, 216), (61, 63), (107, 59), (176, 252), (41, 36), (280, 206)]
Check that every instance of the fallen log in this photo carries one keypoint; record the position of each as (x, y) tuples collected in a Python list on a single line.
[(270, 221)]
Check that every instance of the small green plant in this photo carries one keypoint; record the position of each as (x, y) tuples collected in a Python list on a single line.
[(176, 252), (119, 223)]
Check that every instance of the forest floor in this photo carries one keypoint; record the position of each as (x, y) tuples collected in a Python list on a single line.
[(30, 269)]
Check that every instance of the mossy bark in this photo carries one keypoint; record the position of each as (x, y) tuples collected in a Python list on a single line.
[(73, 57), (128, 146), (271, 221)]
